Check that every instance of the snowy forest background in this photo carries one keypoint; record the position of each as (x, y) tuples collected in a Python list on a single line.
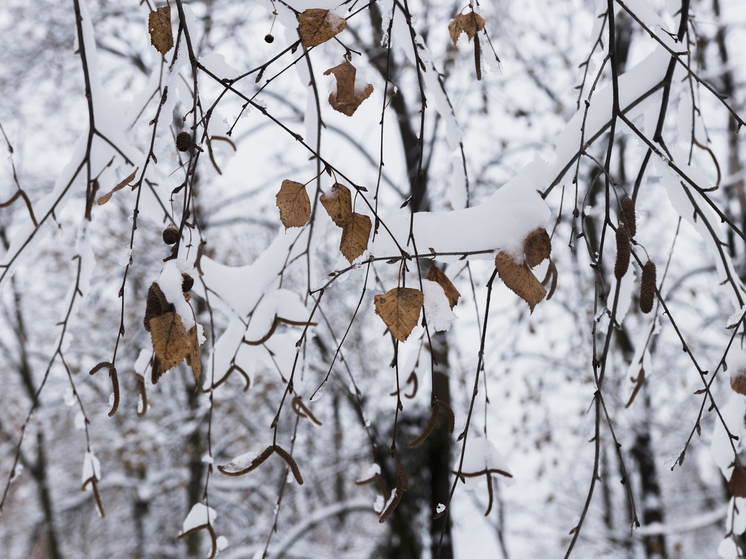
[(541, 116)]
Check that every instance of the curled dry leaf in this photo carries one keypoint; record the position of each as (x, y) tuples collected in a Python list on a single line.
[(348, 97), (171, 342), (156, 304), (400, 310), (520, 279), (355, 236), (471, 24), (194, 359), (338, 203), (294, 204), (537, 247), (436, 274), (317, 26), (106, 197), (159, 25)]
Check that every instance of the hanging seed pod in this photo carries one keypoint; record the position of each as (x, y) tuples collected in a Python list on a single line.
[(187, 283), (647, 287), (170, 234), (268, 38), (628, 215), (183, 139), (622, 252)]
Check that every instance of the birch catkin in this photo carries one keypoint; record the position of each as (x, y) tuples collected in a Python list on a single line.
[(622, 252), (647, 287), (628, 215)]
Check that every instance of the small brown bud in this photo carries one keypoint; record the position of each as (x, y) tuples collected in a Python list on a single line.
[(628, 215), (268, 38), (170, 234), (183, 140), (647, 287), (622, 252)]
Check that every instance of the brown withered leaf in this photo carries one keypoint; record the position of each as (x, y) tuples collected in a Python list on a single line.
[(436, 274), (355, 236), (471, 24), (338, 203), (106, 197), (159, 25), (537, 247), (345, 74), (738, 382), (350, 108), (347, 99), (171, 342), (520, 279), (317, 26), (194, 358), (400, 310), (736, 484), (294, 204)]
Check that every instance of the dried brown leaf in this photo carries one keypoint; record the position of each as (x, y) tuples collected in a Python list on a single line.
[(436, 274), (738, 382), (520, 279), (338, 203), (294, 204), (171, 342), (345, 75), (350, 108), (106, 197), (737, 484), (347, 98), (317, 26), (159, 25), (194, 356), (400, 310), (355, 236), (537, 247), (471, 24)]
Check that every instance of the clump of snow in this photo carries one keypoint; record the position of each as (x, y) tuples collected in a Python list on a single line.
[(170, 282), (378, 505), (241, 462), (371, 471), (207, 459), (482, 455), (437, 308), (440, 508), (221, 542), (735, 318), (727, 549), (69, 397), (79, 421), (336, 22), (200, 515), (91, 467)]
